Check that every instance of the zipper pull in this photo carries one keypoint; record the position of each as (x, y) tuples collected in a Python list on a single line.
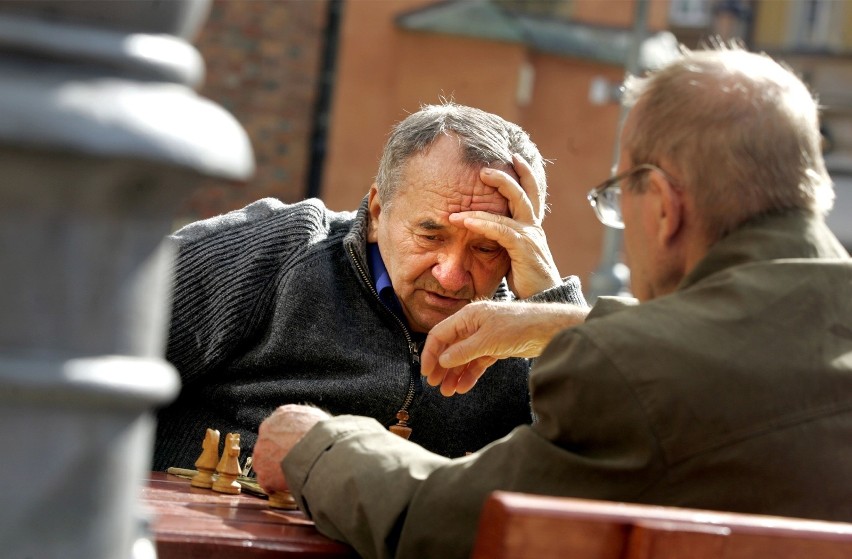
[(415, 353), (401, 428)]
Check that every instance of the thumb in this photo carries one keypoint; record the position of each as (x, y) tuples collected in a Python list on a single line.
[(462, 352)]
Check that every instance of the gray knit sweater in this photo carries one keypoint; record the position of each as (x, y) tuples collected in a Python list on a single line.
[(273, 304)]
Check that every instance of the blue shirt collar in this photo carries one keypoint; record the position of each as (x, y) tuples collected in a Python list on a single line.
[(382, 282)]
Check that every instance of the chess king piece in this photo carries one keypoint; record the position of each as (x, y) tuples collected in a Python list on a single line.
[(229, 466), (207, 462), (275, 437)]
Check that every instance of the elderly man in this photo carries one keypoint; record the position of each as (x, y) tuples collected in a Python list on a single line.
[(278, 304), (727, 385)]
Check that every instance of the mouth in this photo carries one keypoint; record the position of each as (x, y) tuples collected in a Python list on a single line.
[(438, 301)]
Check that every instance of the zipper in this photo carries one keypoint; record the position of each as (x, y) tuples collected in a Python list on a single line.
[(402, 416)]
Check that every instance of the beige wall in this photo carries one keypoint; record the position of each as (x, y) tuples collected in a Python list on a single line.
[(579, 139), (364, 104), (385, 72)]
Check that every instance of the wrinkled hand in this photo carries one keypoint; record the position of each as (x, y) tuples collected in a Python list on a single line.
[(277, 435), (460, 348), (533, 269)]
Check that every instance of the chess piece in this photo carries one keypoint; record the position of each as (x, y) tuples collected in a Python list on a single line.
[(228, 468), (282, 500), (206, 463), (401, 428)]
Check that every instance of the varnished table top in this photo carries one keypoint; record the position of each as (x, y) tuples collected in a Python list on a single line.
[(188, 522)]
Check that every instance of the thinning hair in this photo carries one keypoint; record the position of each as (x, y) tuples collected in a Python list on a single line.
[(741, 130), (485, 139)]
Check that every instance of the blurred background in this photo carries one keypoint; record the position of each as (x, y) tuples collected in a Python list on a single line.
[(318, 84)]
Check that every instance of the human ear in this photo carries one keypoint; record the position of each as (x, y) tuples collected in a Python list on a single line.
[(668, 208), (374, 207)]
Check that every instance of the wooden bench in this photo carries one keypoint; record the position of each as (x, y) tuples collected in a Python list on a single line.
[(514, 526)]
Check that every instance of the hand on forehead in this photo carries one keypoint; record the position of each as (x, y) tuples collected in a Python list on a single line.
[(483, 198), (479, 196)]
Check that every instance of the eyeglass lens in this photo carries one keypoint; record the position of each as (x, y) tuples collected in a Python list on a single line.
[(608, 206)]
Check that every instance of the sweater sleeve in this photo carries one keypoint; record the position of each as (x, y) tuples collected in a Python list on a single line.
[(224, 278), (569, 291)]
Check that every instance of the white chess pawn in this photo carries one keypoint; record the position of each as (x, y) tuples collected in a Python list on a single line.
[(206, 463)]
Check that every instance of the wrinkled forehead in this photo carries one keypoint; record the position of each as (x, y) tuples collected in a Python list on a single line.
[(465, 192), (450, 185)]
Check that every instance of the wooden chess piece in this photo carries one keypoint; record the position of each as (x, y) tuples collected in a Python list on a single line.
[(206, 463), (401, 428), (228, 468), (282, 500)]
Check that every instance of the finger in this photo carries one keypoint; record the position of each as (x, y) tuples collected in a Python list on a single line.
[(520, 207), (442, 336), (461, 353), (451, 380), (529, 185), (429, 357), (436, 376), (430, 368), (498, 228), (473, 372)]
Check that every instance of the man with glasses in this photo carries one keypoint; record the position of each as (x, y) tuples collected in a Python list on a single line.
[(726, 384)]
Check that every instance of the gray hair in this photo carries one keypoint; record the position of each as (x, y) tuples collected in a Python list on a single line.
[(741, 130), (485, 139)]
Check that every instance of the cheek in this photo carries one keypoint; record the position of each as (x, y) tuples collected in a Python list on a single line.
[(638, 261), (487, 275), (634, 249), (396, 249), (410, 263)]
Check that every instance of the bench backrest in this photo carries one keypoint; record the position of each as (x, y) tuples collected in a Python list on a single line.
[(514, 526)]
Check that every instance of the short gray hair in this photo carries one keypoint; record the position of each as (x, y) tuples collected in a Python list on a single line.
[(485, 139), (741, 130)]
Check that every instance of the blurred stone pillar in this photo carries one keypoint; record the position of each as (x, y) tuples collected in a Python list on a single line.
[(102, 137)]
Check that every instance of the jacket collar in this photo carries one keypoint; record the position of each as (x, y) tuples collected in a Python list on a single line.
[(792, 234)]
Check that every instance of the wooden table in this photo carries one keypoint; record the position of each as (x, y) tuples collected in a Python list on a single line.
[(189, 523)]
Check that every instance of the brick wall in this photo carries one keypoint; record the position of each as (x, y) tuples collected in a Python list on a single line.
[(263, 62)]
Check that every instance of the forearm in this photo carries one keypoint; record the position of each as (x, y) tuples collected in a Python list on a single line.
[(541, 322), (459, 349), (356, 481)]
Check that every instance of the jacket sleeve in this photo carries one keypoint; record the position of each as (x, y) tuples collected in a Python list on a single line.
[(223, 279), (388, 497)]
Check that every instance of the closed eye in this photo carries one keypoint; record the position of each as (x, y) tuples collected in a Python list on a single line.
[(488, 249)]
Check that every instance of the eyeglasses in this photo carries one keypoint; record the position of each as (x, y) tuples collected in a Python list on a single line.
[(606, 197)]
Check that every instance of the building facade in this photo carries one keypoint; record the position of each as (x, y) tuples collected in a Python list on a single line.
[(319, 84)]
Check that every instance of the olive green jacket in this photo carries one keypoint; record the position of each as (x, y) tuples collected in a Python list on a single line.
[(733, 393)]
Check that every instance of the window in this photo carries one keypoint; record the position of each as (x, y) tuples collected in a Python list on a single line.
[(817, 24)]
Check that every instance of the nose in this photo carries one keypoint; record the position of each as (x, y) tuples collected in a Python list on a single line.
[(453, 271)]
